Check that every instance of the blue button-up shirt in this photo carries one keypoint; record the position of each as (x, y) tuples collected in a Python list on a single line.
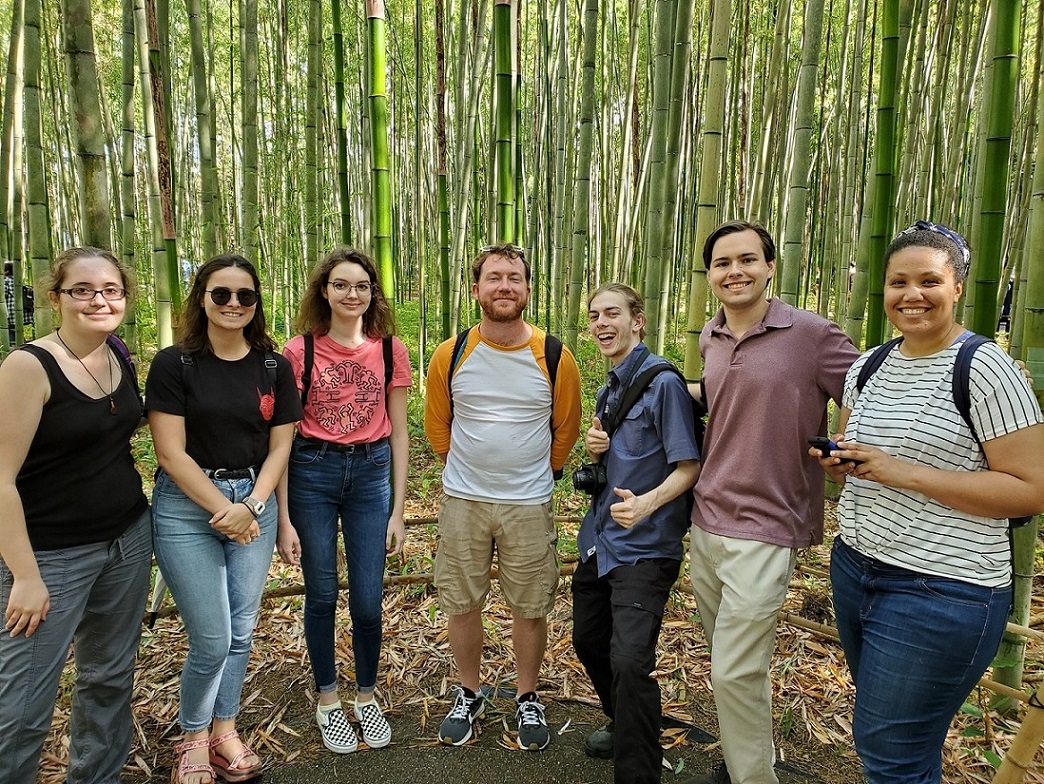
[(656, 434)]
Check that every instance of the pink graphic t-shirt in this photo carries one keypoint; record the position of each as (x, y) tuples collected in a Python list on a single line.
[(346, 403)]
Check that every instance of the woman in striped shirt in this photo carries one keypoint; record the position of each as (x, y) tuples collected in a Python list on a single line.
[(921, 569)]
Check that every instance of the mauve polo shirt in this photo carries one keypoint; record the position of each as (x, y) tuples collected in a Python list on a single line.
[(767, 394)]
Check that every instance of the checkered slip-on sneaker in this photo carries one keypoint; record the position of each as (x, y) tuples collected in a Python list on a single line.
[(338, 735), (376, 732)]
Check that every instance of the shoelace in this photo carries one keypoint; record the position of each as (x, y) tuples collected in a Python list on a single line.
[(530, 713), (462, 706)]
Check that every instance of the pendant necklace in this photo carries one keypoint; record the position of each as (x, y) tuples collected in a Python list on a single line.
[(112, 403)]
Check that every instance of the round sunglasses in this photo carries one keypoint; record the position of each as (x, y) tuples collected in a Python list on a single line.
[(222, 295)]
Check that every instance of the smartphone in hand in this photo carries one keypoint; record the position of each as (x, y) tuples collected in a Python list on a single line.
[(825, 445)]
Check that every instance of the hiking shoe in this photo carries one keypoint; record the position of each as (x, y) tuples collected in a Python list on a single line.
[(719, 775), (338, 735), (457, 727), (532, 726), (600, 742), (376, 732)]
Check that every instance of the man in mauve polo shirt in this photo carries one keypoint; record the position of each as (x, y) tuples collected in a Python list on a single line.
[(769, 370)]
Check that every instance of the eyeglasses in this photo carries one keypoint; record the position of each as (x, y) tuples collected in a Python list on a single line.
[(221, 296), (342, 288), (86, 293)]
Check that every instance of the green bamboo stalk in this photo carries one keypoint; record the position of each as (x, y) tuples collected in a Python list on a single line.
[(504, 96), (663, 35), (794, 235), (1004, 38), (710, 167), (207, 170), (381, 231), (582, 184), (128, 251), (883, 220), (89, 133), (251, 241), (38, 207), (313, 248), (341, 124)]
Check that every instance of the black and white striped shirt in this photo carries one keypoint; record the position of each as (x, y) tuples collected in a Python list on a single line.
[(907, 410)]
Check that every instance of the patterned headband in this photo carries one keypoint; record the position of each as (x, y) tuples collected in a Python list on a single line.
[(946, 231)]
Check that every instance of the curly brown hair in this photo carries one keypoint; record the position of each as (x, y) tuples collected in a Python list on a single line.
[(313, 315), (192, 328)]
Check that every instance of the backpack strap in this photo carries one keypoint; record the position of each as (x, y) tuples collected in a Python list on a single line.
[(187, 361), (309, 361), (120, 349), (962, 379), (873, 362), (386, 344), (270, 368), (552, 355), (458, 351)]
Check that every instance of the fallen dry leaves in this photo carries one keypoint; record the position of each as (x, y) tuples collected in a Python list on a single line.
[(811, 685)]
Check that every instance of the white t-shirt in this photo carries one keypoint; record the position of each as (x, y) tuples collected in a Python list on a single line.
[(501, 431), (907, 410)]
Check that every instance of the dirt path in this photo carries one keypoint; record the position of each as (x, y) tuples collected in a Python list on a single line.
[(415, 756)]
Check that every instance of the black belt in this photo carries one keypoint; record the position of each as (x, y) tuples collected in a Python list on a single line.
[(232, 473), (333, 446)]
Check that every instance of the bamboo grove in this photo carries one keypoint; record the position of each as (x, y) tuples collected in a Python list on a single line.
[(606, 137)]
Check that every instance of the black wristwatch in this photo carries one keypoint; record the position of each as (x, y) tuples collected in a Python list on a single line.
[(256, 507)]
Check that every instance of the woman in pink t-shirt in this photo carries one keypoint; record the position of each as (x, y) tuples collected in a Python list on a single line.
[(348, 464)]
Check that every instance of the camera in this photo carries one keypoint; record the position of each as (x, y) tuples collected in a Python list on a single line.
[(590, 478)]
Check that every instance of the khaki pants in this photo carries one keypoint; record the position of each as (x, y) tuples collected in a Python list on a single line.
[(740, 586)]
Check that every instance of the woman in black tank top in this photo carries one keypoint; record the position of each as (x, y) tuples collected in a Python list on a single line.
[(75, 535)]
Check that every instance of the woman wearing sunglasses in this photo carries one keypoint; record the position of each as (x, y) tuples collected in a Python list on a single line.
[(222, 408), (75, 535), (347, 471)]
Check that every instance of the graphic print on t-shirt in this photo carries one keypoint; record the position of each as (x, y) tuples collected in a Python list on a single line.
[(335, 407), (266, 404)]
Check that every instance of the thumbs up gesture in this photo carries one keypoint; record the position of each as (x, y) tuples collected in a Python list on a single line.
[(629, 509), (597, 440)]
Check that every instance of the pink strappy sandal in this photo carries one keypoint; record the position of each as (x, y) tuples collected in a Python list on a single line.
[(229, 770), (187, 768)]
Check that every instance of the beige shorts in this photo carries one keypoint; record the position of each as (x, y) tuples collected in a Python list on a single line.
[(525, 540)]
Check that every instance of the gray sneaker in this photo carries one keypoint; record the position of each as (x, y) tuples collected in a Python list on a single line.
[(532, 726), (457, 727), (600, 742)]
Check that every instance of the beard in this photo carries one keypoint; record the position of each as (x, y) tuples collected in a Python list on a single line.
[(503, 312)]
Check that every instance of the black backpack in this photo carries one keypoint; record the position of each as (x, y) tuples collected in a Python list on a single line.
[(552, 353), (960, 389), (309, 362), (635, 388)]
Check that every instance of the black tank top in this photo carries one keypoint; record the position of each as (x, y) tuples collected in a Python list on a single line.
[(78, 483)]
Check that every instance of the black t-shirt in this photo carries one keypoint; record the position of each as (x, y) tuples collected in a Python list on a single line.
[(229, 407), (78, 483)]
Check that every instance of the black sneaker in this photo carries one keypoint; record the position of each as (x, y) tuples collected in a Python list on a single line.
[(600, 742), (719, 775), (457, 727), (532, 726)]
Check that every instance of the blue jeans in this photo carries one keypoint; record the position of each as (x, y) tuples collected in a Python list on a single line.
[(325, 484), (916, 646), (217, 585), (98, 594)]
